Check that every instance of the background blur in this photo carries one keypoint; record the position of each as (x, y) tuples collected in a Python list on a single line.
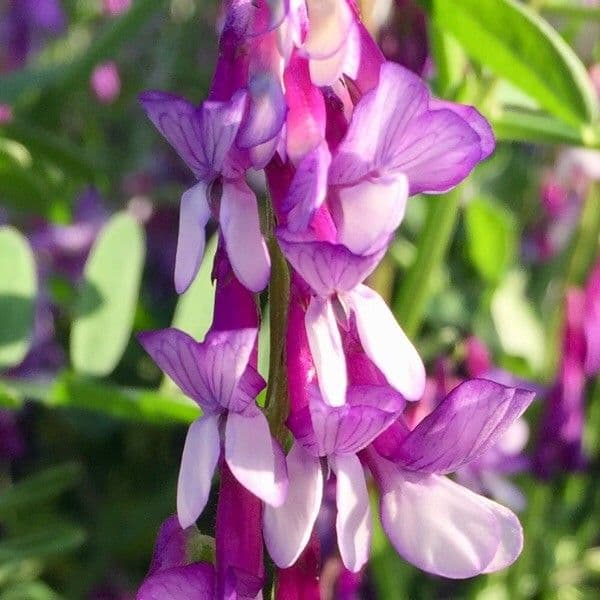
[(90, 436)]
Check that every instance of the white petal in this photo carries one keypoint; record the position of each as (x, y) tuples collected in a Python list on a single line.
[(245, 245), (287, 528), (438, 525), (353, 523), (326, 348), (200, 455), (194, 213), (370, 212), (386, 344), (250, 455)]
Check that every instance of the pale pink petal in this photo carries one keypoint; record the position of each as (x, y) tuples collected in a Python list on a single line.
[(194, 213), (325, 71), (326, 348), (511, 537), (287, 528), (353, 523), (386, 344), (436, 524), (250, 454), (245, 245), (200, 456), (329, 24), (369, 212)]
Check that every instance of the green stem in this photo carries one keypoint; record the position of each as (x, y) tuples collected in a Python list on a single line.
[(561, 8), (434, 241), (277, 402)]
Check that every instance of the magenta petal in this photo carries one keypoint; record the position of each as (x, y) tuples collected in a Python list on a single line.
[(193, 216), (326, 267), (288, 527), (266, 111), (308, 188), (200, 455), (192, 582), (170, 548), (469, 420), (591, 323), (245, 245), (353, 522)]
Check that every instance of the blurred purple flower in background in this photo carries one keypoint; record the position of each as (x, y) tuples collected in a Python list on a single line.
[(116, 7), (12, 442), (24, 26)]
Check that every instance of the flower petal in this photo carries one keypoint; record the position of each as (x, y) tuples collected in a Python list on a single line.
[(353, 523), (200, 456), (253, 458), (245, 245), (194, 213), (326, 348), (326, 267), (208, 372), (308, 188), (436, 524), (266, 111), (201, 136), (370, 212), (329, 24), (470, 420), (192, 582), (386, 344), (287, 528)]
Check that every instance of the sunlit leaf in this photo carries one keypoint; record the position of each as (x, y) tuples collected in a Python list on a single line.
[(491, 238), (18, 287), (30, 590), (39, 487), (108, 299), (517, 325), (517, 44)]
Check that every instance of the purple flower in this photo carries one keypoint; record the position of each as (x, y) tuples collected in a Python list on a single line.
[(106, 82), (116, 7), (216, 374), (334, 275), (6, 114), (12, 442), (204, 138), (432, 522), (172, 574)]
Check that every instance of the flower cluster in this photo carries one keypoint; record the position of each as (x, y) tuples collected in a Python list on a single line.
[(302, 92)]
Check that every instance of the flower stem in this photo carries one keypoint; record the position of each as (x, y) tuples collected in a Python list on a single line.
[(411, 300)]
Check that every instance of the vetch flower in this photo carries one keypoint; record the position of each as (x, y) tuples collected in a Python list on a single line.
[(216, 374), (334, 275), (434, 523), (204, 138)]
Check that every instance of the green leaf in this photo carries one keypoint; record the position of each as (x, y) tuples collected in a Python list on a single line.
[(108, 300), (521, 126), (9, 398), (41, 544), (75, 391), (18, 288), (491, 238), (518, 45), (30, 590), (517, 325), (134, 404), (40, 487)]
